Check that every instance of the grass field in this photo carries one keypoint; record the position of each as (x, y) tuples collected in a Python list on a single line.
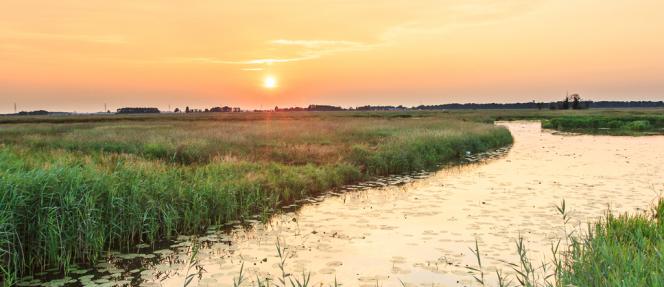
[(72, 188)]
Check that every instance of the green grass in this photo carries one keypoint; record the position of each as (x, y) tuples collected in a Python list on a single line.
[(71, 190), (616, 125), (623, 250)]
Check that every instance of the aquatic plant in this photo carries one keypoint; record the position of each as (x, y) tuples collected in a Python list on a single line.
[(193, 264), (619, 250), (622, 250), (286, 279)]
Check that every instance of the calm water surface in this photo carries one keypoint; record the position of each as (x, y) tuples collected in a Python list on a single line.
[(419, 232)]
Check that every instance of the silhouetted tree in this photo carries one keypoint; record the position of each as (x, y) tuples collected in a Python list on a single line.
[(576, 100), (566, 103), (33, 113), (177, 110), (186, 110), (323, 108), (138, 111)]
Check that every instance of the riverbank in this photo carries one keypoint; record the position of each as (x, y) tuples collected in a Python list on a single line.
[(616, 250), (630, 125), (622, 250), (71, 191)]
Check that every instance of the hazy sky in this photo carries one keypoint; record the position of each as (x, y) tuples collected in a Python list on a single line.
[(79, 54)]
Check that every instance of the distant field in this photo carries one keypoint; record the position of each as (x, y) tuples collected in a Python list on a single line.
[(74, 186), (583, 119)]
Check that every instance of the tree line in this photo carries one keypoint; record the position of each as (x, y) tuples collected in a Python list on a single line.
[(573, 101)]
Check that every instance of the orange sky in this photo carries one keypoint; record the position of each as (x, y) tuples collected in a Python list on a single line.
[(79, 54)]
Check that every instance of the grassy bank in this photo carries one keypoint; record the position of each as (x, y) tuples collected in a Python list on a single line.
[(601, 124), (621, 250), (70, 190)]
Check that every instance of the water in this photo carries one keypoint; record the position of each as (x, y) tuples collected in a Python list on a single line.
[(419, 229)]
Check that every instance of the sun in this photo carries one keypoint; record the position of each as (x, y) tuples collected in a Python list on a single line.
[(270, 82)]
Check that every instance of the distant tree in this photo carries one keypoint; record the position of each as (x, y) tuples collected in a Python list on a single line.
[(186, 110), (33, 113), (576, 101), (207, 110), (177, 110), (566, 103), (138, 111), (323, 108)]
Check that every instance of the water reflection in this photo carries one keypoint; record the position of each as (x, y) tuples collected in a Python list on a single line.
[(417, 229)]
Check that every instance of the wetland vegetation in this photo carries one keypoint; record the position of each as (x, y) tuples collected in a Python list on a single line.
[(616, 125), (622, 250), (73, 190), (74, 187)]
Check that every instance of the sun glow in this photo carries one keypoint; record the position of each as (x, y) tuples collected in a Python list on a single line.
[(270, 82)]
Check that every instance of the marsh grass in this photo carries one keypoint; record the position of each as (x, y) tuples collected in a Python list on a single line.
[(604, 124), (71, 191), (623, 250)]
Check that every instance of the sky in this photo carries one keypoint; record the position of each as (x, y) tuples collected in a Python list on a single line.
[(78, 55)]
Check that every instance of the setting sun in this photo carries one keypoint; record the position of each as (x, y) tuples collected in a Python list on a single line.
[(270, 82)]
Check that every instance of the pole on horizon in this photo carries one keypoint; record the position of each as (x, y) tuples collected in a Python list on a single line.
[(15, 110), (105, 109)]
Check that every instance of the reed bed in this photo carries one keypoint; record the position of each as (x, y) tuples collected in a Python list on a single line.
[(622, 250), (601, 124), (70, 191)]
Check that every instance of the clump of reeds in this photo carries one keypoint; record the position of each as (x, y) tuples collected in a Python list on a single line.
[(622, 250)]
